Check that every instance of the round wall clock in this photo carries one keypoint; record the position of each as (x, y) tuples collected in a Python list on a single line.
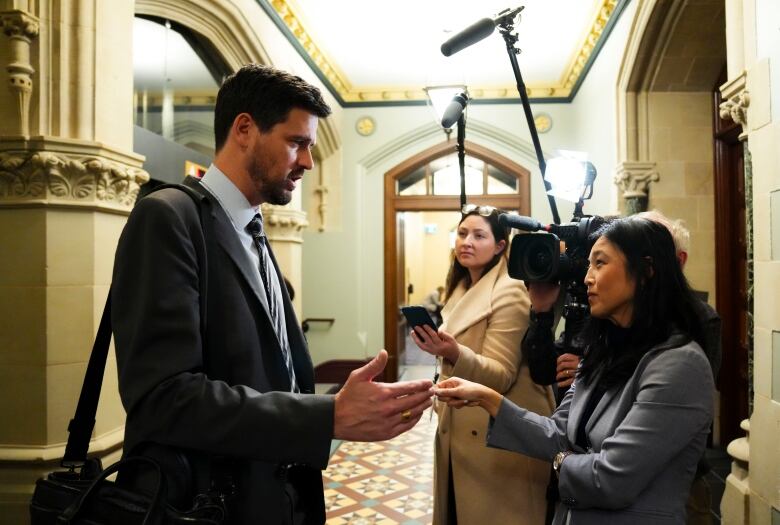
[(543, 122), (365, 126)]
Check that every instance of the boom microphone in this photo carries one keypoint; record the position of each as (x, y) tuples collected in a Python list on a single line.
[(454, 110), (521, 222), (477, 31), (471, 35)]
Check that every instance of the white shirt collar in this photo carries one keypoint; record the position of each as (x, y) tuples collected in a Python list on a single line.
[(230, 197)]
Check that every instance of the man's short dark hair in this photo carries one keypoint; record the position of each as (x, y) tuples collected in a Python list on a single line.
[(267, 94)]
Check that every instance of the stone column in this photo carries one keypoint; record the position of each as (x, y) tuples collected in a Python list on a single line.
[(21, 28), (284, 227), (68, 180), (634, 178), (735, 38), (735, 504)]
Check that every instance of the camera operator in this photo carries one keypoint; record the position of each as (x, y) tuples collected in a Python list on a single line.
[(550, 361)]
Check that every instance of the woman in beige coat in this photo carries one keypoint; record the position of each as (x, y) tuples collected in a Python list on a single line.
[(485, 317)]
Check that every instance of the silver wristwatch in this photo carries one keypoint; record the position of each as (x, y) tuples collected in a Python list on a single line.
[(558, 461)]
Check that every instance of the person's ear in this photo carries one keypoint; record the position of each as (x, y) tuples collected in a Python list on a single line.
[(500, 245), (682, 256), (243, 129)]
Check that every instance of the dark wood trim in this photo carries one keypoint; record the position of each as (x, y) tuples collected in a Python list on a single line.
[(452, 203), (520, 201), (391, 370), (472, 149), (337, 370), (730, 273)]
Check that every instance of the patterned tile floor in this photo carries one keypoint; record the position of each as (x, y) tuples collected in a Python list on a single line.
[(385, 483)]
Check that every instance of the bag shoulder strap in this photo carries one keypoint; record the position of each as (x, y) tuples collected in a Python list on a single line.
[(83, 422)]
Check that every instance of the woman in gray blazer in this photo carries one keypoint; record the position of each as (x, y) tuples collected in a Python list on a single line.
[(626, 438)]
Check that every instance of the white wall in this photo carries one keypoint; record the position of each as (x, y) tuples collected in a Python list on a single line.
[(343, 269)]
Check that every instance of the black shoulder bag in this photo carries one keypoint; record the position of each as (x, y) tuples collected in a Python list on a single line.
[(83, 494)]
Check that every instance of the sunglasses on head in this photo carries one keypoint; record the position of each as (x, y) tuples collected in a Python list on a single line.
[(485, 211)]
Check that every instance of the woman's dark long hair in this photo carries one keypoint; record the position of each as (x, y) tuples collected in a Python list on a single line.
[(663, 301), (458, 272)]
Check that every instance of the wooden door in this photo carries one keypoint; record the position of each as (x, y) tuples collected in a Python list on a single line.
[(401, 294), (731, 275)]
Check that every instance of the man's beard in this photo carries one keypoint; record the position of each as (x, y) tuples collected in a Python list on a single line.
[(271, 192)]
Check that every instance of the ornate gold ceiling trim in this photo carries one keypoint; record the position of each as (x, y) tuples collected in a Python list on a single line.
[(349, 93), (326, 66), (603, 14)]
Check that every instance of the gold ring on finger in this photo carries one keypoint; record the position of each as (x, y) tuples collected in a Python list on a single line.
[(406, 415)]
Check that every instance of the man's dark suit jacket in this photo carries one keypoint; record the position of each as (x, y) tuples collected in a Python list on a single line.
[(213, 383)]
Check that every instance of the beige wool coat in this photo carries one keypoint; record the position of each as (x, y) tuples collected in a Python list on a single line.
[(491, 486)]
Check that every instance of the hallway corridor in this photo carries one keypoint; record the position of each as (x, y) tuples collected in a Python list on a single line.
[(385, 483)]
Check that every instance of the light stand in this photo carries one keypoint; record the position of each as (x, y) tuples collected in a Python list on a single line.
[(505, 23)]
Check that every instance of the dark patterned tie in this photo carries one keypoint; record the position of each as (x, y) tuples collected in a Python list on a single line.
[(255, 229)]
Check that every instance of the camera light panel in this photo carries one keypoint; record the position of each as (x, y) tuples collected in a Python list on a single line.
[(567, 175)]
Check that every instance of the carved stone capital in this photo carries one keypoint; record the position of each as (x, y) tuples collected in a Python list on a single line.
[(634, 178), (284, 224), (17, 23), (65, 179), (736, 108), (736, 100)]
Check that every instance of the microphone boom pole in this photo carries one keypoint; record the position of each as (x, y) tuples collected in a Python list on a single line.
[(506, 27), (480, 30), (462, 157)]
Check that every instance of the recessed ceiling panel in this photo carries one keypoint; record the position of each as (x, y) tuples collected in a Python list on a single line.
[(388, 51)]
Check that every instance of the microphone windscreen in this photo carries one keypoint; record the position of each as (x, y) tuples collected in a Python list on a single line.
[(454, 110), (521, 222), (471, 35)]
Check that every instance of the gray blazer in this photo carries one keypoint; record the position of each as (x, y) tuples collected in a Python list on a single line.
[(646, 436)]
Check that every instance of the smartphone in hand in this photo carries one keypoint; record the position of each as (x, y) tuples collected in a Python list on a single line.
[(418, 316)]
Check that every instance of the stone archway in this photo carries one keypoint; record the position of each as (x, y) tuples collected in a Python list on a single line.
[(672, 65), (225, 26)]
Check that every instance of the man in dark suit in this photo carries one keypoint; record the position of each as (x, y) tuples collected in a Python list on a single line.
[(213, 367)]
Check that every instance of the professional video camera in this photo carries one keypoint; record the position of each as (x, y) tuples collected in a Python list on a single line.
[(539, 257)]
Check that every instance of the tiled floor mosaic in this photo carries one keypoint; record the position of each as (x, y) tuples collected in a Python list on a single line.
[(386, 483)]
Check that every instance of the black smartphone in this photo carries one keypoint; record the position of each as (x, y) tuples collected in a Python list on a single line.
[(418, 316)]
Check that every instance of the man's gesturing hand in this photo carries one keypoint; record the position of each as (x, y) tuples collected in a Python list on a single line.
[(369, 411)]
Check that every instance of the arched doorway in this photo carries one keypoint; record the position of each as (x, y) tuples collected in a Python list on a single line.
[(422, 183), (669, 125)]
